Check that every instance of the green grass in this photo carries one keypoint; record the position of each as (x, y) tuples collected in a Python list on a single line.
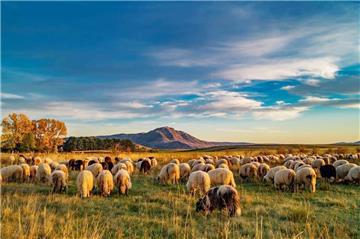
[(155, 211)]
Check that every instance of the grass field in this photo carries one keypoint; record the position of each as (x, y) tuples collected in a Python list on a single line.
[(155, 211)]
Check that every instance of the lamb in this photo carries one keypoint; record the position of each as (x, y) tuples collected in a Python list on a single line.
[(85, 183), (105, 182), (307, 177), (222, 176), (175, 161), (284, 177), (26, 172), (63, 168), (117, 167), (353, 175), (263, 169), (33, 170), (328, 171), (12, 173), (95, 168), (43, 173), (122, 181), (248, 170), (340, 162), (343, 170), (198, 181), (58, 180), (269, 177), (184, 171), (221, 197), (170, 172)]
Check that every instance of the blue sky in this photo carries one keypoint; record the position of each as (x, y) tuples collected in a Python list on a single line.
[(225, 71)]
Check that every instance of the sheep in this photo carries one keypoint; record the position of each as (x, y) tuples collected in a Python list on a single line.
[(353, 175), (298, 165), (223, 165), (26, 172), (263, 169), (221, 161), (198, 181), (207, 167), (175, 161), (79, 165), (58, 180), (43, 173), (107, 159), (340, 162), (220, 197), (209, 161), (145, 166), (153, 161), (269, 177), (21, 159), (303, 166), (343, 170), (248, 170), (198, 167), (63, 168), (288, 163), (107, 165), (33, 170), (307, 177), (328, 171), (105, 182), (284, 177), (196, 162), (12, 173), (170, 172), (122, 181), (317, 163), (221, 176), (47, 160), (12, 159), (117, 167), (184, 171), (235, 164), (129, 166), (85, 183), (95, 168), (93, 161)]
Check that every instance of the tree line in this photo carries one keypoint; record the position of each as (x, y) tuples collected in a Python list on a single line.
[(94, 143), (20, 133)]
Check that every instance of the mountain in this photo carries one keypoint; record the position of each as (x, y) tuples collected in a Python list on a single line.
[(167, 138), (354, 143)]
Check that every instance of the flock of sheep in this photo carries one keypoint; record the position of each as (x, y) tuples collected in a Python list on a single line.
[(210, 177)]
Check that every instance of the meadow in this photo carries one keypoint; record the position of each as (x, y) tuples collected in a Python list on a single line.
[(156, 211)]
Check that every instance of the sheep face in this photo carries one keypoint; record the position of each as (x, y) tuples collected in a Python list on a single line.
[(203, 205)]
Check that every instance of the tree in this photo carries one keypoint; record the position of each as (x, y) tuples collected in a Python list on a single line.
[(49, 134), (14, 128)]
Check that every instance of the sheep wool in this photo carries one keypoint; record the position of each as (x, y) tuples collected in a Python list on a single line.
[(222, 176), (340, 162), (269, 177), (198, 181), (11, 173), (353, 175), (117, 167), (343, 170), (33, 170), (184, 170), (284, 177), (43, 173), (105, 182), (95, 169), (169, 173), (58, 181), (123, 181), (85, 183), (307, 177), (26, 172), (63, 168)]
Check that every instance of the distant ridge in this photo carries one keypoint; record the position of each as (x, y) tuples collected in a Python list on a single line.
[(168, 138)]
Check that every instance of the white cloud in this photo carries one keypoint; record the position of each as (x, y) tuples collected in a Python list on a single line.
[(288, 87), (312, 82), (279, 113), (10, 96), (315, 99), (349, 106)]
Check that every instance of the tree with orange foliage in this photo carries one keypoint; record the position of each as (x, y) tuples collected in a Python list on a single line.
[(49, 134)]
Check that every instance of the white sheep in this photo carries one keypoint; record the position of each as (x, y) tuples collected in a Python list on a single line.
[(307, 177), (43, 173), (85, 183), (53, 165), (184, 171), (154, 162), (198, 167), (198, 181), (222, 176), (117, 167), (33, 170), (340, 162), (353, 175), (223, 165), (26, 172), (221, 161), (343, 170), (170, 172), (12, 173), (263, 169), (269, 177), (175, 161), (95, 169), (123, 181), (317, 163), (207, 167), (105, 182), (58, 181), (284, 177), (248, 170), (63, 168)]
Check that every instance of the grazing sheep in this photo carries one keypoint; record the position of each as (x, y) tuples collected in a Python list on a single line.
[(107, 166), (298, 165), (288, 163), (43, 173), (145, 166), (175, 161), (284, 177), (85, 183), (221, 176), (170, 172), (221, 197), (63, 168), (33, 170), (129, 166), (58, 180), (198, 181), (108, 160), (153, 161), (123, 181), (11, 173), (340, 162), (328, 171), (248, 170), (198, 167), (93, 161), (307, 177), (209, 161), (207, 167), (343, 170), (79, 164), (196, 162), (269, 177), (26, 172), (303, 166), (53, 165), (221, 161), (223, 165), (317, 163), (95, 168), (117, 167), (353, 175), (184, 171), (263, 169), (105, 182)]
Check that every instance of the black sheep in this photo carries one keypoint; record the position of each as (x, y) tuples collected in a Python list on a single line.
[(145, 166), (328, 171)]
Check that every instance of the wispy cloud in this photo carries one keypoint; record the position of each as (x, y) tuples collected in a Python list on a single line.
[(10, 96)]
